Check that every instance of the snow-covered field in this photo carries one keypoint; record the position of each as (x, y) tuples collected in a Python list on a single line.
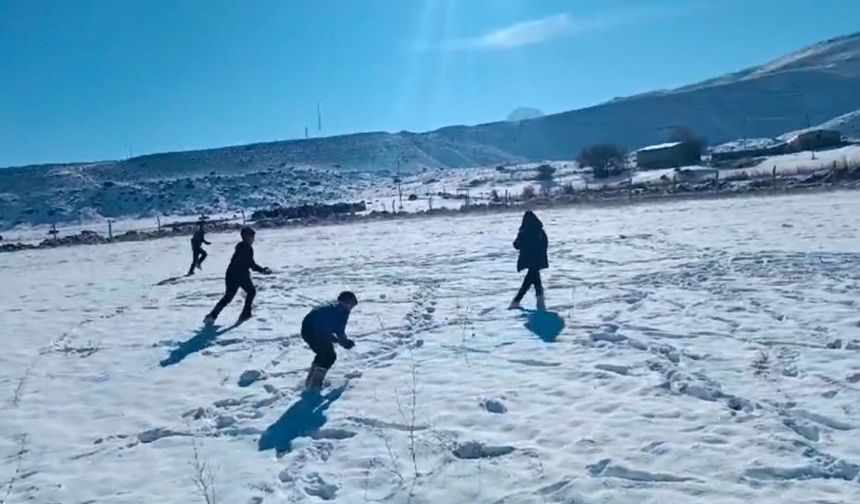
[(692, 351)]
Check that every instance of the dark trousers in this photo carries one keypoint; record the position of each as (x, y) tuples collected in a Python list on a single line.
[(198, 256), (234, 283), (532, 278), (321, 344)]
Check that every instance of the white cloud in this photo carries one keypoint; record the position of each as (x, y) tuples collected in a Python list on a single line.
[(536, 31), (525, 33)]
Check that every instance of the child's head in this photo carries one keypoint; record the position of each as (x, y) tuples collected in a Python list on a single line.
[(348, 299), (247, 235), (530, 220)]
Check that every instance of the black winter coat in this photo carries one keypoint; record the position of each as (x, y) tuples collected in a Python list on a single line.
[(532, 243), (243, 261)]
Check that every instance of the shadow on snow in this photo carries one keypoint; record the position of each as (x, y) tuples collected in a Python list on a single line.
[(171, 280), (303, 418), (205, 337), (546, 325)]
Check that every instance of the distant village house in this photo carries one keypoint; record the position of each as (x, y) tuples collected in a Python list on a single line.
[(815, 139), (667, 155)]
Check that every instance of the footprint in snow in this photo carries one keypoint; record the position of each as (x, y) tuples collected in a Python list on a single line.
[(494, 406), (535, 363), (622, 370), (318, 487), (472, 450)]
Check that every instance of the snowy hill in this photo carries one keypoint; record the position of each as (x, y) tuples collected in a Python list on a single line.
[(689, 353), (820, 81)]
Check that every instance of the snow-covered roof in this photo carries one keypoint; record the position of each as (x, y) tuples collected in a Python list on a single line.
[(794, 135), (747, 144), (661, 146)]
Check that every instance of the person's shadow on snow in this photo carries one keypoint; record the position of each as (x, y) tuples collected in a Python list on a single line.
[(546, 325), (171, 280), (205, 337), (303, 418)]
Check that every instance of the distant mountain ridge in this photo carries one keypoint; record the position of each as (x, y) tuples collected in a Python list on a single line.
[(817, 83)]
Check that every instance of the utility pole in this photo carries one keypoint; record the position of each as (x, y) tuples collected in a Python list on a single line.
[(629, 169), (399, 182), (809, 130), (319, 116)]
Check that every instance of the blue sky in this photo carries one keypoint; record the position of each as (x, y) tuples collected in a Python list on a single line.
[(91, 80)]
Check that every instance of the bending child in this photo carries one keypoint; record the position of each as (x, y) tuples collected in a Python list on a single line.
[(321, 328)]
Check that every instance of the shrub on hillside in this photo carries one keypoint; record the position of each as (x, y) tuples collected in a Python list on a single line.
[(545, 172)]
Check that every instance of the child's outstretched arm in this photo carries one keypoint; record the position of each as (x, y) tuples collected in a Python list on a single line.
[(256, 267)]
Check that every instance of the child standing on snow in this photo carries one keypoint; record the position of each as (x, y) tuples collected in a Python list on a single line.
[(198, 255), (321, 328), (532, 243), (239, 276)]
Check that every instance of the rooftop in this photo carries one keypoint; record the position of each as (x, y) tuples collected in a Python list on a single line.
[(661, 146)]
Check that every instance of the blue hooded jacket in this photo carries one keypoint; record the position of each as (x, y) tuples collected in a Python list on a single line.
[(330, 319)]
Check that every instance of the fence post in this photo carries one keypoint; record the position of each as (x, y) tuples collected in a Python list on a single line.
[(110, 229), (243, 216), (158, 221)]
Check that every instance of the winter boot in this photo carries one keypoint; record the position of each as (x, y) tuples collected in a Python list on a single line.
[(515, 305), (209, 320), (541, 303), (314, 381)]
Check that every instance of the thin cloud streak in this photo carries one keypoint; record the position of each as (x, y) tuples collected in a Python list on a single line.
[(525, 33), (537, 31)]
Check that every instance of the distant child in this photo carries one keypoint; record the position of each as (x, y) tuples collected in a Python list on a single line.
[(321, 328), (532, 243), (239, 276), (197, 252)]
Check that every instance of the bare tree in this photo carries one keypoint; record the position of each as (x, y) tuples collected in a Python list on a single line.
[(529, 192), (605, 159), (693, 145)]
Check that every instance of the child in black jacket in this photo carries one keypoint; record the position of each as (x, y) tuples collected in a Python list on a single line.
[(532, 243), (239, 276)]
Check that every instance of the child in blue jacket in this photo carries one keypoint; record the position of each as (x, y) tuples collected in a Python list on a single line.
[(321, 328)]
